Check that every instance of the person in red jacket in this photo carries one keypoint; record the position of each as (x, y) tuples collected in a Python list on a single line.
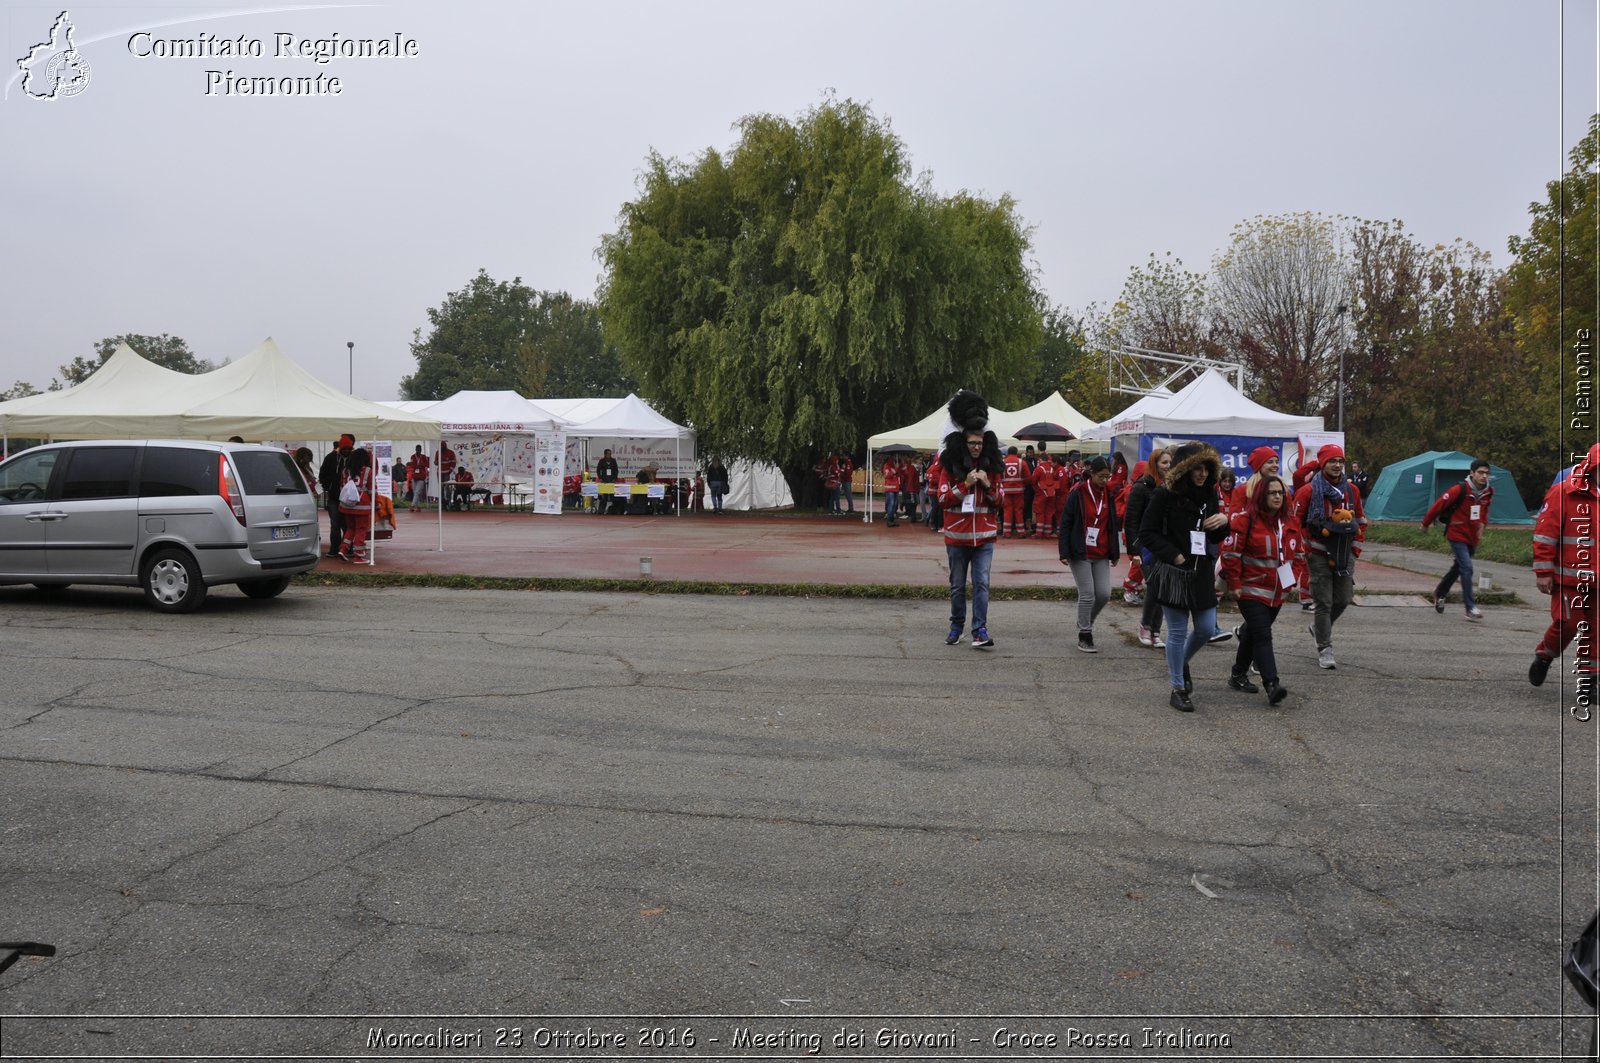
[(1564, 565), (1328, 507), (1133, 582), (1088, 545), (970, 494), (910, 484), (935, 482), (1015, 474), (1302, 473), (1046, 483), (891, 490), (1263, 462), (1258, 568), (847, 478), (1464, 511)]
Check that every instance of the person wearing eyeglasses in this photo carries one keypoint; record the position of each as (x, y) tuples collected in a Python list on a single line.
[(971, 494), (1258, 565)]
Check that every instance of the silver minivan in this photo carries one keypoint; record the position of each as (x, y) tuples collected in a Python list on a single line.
[(172, 516)]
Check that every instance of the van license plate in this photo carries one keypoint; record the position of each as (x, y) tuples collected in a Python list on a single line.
[(291, 532)]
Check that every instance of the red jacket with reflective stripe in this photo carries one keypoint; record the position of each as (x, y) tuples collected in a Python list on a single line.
[(1251, 555), (891, 477), (977, 527), (1564, 533)]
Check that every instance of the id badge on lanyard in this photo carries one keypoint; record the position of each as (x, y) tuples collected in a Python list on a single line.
[(1197, 542), (1473, 512), (1091, 536), (969, 503)]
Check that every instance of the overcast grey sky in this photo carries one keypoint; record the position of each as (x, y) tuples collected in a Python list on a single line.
[(511, 139)]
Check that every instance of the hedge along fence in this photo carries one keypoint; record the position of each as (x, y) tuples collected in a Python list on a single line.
[(1511, 545)]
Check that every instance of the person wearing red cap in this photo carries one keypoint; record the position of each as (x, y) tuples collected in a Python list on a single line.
[(1329, 509), (1564, 566), (1263, 462), (1303, 473)]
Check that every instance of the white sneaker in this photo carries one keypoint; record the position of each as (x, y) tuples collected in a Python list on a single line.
[(1132, 598), (1144, 635), (1474, 614), (1156, 641), (1325, 658)]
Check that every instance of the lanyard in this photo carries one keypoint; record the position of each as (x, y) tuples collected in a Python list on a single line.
[(1099, 504)]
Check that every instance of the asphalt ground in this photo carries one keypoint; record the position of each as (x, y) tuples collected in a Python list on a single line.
[(766, 819)]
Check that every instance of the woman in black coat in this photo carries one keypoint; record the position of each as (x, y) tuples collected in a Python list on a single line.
[(1183, 526)]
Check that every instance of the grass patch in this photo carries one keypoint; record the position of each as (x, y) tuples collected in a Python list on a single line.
[(1510, 545), (889, 591)]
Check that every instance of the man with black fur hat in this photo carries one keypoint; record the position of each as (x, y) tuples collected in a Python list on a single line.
[(971, 492)]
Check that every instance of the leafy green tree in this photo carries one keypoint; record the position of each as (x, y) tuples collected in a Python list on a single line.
[(1550, 294), (802, 292), (503, 335), (164, 350), (1066, 364), (20, 390)]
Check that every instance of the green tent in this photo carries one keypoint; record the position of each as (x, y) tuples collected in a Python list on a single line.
[(1406, 489)]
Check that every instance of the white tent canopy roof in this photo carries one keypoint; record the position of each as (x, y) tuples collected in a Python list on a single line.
[(1155, 400), (102, 405), (929, 433), (491, 411), (630, 418), (261, 396), (264, 395), (1208, 406), (576, 411)]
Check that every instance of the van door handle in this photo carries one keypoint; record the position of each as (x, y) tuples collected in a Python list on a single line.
[(36, 518)]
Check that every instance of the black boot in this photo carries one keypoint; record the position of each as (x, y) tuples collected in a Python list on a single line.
[(1188, 681), (1538, 670), (1242, 683), (1180, 700), (1276, 691)]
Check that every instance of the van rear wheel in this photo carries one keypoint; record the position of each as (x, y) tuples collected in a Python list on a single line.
[(172, 582), (264, 588)]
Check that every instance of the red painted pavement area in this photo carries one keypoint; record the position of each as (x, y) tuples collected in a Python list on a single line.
[(735, 548)]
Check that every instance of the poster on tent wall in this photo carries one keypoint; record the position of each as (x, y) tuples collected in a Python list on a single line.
[(1311, 442), (481, 456), (1234, 450), (522, 456), (382, 452), (550, 450), (669, 456)]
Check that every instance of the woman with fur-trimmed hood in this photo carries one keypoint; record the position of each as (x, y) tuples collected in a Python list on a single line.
[(1184, 526)]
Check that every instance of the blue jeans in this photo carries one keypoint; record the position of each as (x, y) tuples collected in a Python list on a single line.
[(717, 489), (978, 558), (891, 501), (1462, 568), (833, 500), (1180, 647)]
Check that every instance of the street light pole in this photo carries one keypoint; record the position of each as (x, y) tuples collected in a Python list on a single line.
[(1340, 312), (351, 344)]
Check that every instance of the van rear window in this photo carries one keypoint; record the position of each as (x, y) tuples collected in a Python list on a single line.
[(268, 472), (178, 471)]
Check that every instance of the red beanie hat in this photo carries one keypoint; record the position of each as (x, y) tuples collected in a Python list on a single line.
[(1260, 456), (1331, 450)]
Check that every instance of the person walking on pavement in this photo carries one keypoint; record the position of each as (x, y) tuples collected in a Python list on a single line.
[(1088, 545), (1014, 475), (1258, 566), (970, 494), (1564, 566), (1464, 512), (1144, 486), (1183, 527), (891, 489), (1328, 507)]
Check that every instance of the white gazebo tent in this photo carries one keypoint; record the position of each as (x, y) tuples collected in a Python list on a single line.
[(632, 418), (121, 400), (486, 416)]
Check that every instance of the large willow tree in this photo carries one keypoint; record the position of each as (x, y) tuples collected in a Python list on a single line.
[(802, 292)]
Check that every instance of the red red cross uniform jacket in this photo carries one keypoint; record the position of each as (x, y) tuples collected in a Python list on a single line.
[(1254, 551), (1464, 527), (1564, 550), (974, 524)]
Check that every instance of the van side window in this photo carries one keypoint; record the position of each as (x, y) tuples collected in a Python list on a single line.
[(98, 472), (26, 477), (171, 471), (268, 472)]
